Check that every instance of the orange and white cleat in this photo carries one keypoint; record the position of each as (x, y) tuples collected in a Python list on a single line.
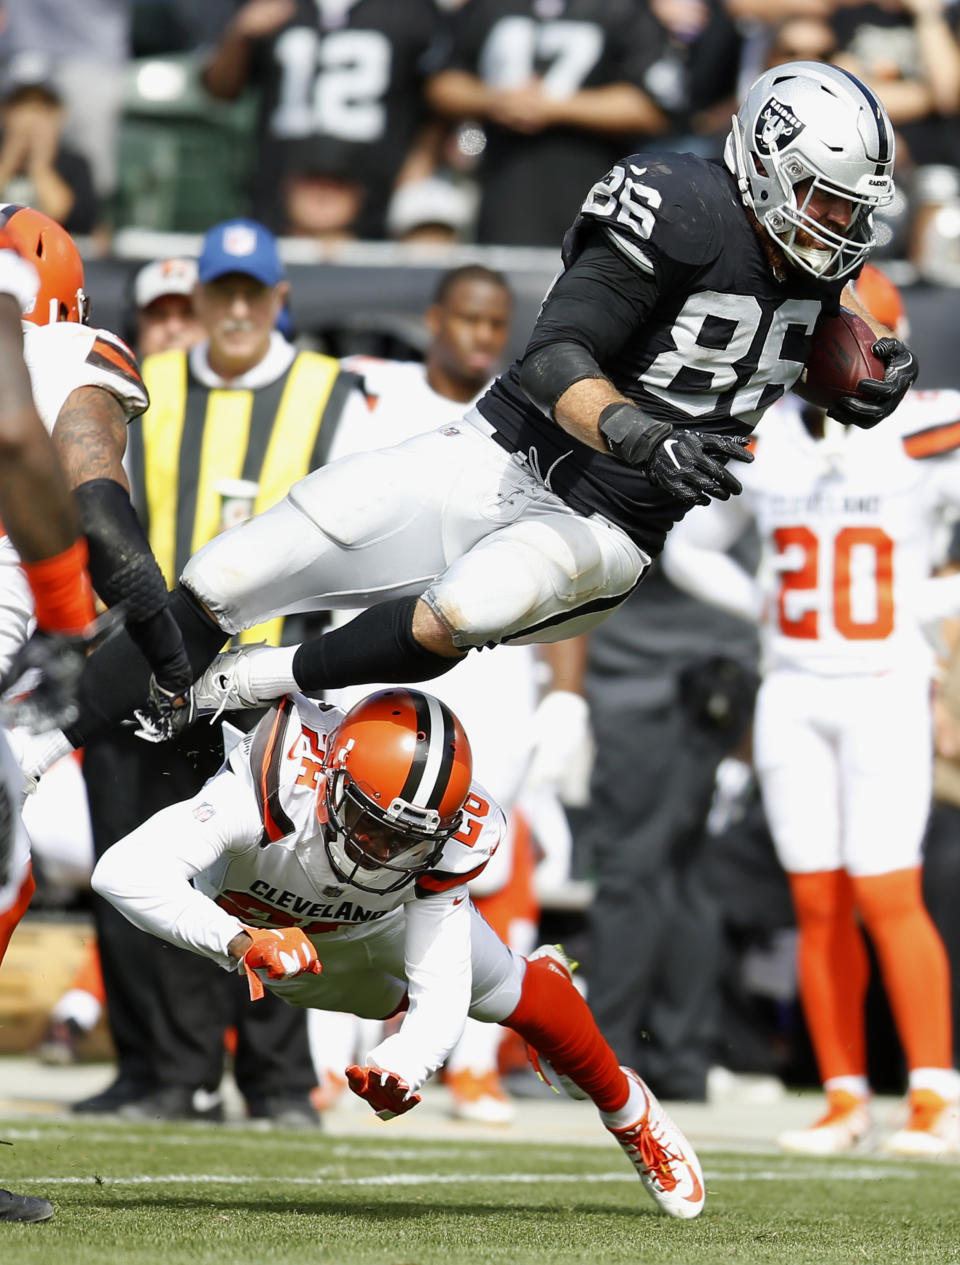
[(479, 1098), (664, 1159), (329, 1092), (845, 1126), (933, 1128)]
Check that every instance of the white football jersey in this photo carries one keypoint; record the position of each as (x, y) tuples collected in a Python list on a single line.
[(66, 355), (849, 526), (250, 842), (247, 851), (286, 880), (60, 358), (402, 403)]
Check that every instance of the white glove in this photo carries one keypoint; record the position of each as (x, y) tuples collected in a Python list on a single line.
[(18, 277), (561, 747)]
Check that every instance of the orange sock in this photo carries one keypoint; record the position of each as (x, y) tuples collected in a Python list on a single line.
[(61, 588), (833, 971), (913, 962), (88, 977), (10, 918), (556, 1021)]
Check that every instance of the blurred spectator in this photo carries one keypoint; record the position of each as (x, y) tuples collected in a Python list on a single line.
[(36, 168), (562, 92), (163, 298), (88, 46), (324, 192), (327, 70), (432, 211), (670, 685), (707, 44), (908, 52), (941, 859)]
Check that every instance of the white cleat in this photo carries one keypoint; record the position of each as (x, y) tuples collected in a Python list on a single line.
[(665, 1161), (846, 1126), (225, 686), (480, 1099), (559, 1083), (932, 1130)]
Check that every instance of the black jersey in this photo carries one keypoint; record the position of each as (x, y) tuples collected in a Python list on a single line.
[(530, 184), (669, 287), (347, 78)]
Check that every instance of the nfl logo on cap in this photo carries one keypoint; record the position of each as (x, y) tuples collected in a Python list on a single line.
[(242, 246), (239, 239)]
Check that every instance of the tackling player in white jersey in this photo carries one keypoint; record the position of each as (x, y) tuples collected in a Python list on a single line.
[(848, 521), (41, 518), (328, 860)]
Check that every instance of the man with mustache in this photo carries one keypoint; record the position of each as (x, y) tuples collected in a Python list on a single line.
[(243, 404)]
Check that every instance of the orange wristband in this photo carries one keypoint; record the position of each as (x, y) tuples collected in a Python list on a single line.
[(62, 594)]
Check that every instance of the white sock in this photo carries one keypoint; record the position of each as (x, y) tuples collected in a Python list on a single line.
[(857, 1085), (270, 670), (942, 1080), (80, 1006), (632, 1110)]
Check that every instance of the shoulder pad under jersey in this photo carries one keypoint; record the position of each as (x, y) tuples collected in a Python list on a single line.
[(668, 206), (284, 759), (67, 355), (468, 851), (929, 423)]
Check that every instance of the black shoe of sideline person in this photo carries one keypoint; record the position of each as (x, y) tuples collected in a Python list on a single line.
[(24, 1207)]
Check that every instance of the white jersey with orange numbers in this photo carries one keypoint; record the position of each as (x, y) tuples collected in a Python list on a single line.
[(247, 851), (849, 528)]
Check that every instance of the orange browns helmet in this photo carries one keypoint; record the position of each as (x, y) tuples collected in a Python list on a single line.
[(396, 775), (51, 248), (882, 299)]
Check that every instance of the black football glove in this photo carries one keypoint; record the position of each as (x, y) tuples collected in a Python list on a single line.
[(687, 464), (165, 715), (877, 399), (44, 675)]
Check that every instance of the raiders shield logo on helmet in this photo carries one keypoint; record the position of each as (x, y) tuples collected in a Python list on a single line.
[(776, 127)]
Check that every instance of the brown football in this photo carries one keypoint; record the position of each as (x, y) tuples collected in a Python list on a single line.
[(840, 358)]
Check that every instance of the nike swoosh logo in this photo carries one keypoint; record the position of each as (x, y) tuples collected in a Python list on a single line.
[(697, 1193), (669, 445), (459, 900)]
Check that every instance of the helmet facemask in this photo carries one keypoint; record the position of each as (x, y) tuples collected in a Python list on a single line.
[(379, 848)]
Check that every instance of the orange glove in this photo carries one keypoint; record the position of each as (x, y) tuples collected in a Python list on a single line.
[(283, 954), (386, 1092)]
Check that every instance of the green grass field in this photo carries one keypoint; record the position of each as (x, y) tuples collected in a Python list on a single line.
[(194, 1195)]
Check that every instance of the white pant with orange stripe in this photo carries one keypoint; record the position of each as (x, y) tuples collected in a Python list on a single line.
[(845, 769)]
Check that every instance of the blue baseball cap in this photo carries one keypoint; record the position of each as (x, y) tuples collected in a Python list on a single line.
[(240, 246)]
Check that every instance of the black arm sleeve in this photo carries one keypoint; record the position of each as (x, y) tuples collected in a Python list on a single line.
[(123, 569), (600, 301)]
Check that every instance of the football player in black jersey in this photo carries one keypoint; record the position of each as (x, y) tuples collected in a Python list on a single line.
[(345, 76), (686, 307), (561, 91)]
